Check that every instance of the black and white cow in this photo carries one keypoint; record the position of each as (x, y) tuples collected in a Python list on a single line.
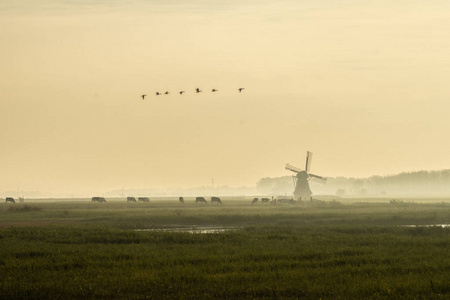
[(265, 200), (98, 199), (200, 200), (216, 200), (9, 199)]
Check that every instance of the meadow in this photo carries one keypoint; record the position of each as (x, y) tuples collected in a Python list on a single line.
[(334, 249)]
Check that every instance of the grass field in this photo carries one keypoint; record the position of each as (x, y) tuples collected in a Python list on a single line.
[(63, 249)]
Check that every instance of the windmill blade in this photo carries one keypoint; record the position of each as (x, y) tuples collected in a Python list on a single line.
[(308, 161), (293, 169), (317, 178)]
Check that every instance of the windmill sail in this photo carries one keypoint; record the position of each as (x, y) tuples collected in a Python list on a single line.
[(293, 168), (320, 178), (308, 161)]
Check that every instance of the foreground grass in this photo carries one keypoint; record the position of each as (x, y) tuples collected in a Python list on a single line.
[(255, 262), (325, 250)]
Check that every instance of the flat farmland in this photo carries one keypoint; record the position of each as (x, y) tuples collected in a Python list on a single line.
[(344, 248)]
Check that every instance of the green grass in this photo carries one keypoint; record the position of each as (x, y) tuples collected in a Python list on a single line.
[(157, 214), (75, 250)]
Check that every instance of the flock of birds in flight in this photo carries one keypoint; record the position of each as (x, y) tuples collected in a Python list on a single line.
[(197, 90)]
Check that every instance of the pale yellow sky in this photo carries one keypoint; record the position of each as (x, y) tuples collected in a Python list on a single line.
[(362, 84)]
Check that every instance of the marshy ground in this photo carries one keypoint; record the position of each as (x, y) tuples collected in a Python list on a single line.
[(344, 248)]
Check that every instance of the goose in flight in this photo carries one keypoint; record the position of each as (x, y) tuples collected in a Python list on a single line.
[(143, 96), (181, 92), (197, 90), (213, 90), (240, 89), (166, 93), (157, 94)]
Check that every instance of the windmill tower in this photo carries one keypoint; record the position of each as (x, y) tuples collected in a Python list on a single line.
[(302, 177)]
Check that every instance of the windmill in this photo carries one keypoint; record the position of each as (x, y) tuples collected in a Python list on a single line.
[(302, 177)]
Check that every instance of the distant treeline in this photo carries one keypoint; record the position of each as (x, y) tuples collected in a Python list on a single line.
[(411, 183), (408, 183)]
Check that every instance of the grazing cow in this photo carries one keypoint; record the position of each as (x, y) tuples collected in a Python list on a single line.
[(216, 200), (255, 200), (143, 199), (181, 199), (131, 199), (200, 200), (98, 199), (9, 199), (264, 200)]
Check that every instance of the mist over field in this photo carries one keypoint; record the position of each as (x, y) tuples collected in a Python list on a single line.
[(363, 85), (421, 183)]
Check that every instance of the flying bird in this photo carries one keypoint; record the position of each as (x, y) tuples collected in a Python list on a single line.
[(213, 90), (167, 93), (143, 96), (197, 90), (181, 92), (240, 89), (157, 94)]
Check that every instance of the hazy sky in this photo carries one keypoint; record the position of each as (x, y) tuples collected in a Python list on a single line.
[(364, 85)]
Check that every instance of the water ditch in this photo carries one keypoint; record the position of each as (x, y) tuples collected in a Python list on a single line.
[(193, 229), (220, 229), (431, 225)]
